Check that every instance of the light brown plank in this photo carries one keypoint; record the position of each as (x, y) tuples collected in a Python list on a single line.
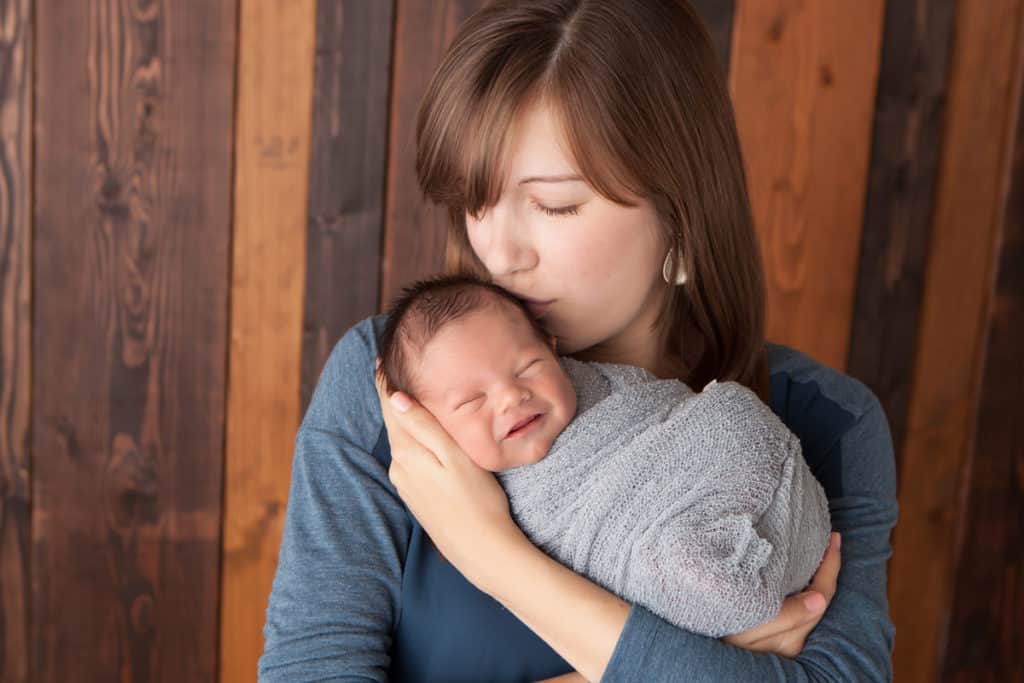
[(958, 283), (134, 110), (15, 335), (275, 83), (803, 79)]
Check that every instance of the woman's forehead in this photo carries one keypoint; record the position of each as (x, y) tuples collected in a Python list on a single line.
[(537, 146)]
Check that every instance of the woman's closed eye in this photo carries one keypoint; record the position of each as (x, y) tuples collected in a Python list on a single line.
[(570, 210)]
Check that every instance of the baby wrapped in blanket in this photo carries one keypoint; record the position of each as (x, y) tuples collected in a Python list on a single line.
[(698, 506)]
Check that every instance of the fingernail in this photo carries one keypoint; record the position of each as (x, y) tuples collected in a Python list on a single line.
[(400, 401), (814, 602), (837, 540), (376, 363)]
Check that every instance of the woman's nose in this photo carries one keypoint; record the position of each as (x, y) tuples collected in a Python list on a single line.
[(501, 243)]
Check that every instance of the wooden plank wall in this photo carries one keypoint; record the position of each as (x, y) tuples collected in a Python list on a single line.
[(272, 140), (132, 195), (201, 197), (16, 70)]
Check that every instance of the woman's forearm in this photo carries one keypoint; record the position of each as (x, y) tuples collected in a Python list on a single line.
[(579, 620)]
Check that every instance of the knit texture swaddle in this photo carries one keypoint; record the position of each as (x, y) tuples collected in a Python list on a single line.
[(700, 507)]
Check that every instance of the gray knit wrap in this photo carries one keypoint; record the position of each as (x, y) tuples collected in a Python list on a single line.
[(700, 507)]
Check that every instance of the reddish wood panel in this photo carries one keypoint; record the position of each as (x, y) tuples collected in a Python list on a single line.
[(803, 79), (987, 622), (15, 333), (346, 184), (416, 230), (909, 112), (275, 84), (958, 282), (133, 144)]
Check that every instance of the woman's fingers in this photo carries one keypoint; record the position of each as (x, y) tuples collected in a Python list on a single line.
[(827, 576), (786, 633), (412, 427)]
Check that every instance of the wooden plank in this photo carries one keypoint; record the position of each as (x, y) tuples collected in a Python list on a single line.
[(346, 187), (901, 188), (987, 625), (416, 230), (718, 17), (15, 333), (958, 281), (803, 82), (134, 108), (275, 89)]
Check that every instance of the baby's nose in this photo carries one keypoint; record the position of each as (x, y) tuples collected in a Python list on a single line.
[(515, 396)]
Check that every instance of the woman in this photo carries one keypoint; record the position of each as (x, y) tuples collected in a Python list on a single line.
[(587, 153)]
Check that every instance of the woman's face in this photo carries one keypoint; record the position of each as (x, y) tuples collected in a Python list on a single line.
[(593, 265)]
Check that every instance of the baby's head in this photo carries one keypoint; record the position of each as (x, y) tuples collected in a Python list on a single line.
[(472, 354)]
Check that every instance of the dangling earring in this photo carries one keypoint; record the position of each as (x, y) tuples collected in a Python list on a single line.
[(666, 269)]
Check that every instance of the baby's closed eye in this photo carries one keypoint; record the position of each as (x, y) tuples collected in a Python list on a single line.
[(471, 403)]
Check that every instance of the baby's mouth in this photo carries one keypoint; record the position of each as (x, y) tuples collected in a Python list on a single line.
[(523, 424)]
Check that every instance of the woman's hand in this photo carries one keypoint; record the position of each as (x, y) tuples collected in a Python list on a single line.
[(460, 505), (786, 633)]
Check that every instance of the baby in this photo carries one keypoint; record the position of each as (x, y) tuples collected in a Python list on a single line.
[(699, 507)]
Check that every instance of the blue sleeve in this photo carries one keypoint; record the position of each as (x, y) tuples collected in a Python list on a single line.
[(854, 640), (336, 593)]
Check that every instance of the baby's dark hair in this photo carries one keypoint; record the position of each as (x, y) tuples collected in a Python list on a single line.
[(426, 306)]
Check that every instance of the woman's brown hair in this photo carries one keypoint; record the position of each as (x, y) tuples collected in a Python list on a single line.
[(643, 103)]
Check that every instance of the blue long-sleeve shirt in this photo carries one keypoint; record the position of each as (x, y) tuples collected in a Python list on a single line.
[(361, 594)]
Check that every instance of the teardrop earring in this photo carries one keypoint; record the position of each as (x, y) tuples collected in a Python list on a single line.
[(666, 269)]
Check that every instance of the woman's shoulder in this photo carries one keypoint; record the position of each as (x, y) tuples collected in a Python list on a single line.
[(834, 415), (797, 380), (345, 396)]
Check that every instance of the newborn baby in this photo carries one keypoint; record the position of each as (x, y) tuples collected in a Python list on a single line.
[(700, 507)]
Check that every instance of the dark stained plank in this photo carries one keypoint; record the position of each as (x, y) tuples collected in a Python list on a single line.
[(803, 79), (717, 16), (346, 179), (274, 98), (416, 230), (134, 109), (943, 404), (987, 623), (901, 189), (15, 335)]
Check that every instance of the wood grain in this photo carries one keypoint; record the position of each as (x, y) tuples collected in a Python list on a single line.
[(416, 230), (988, 607), (134, 105), (15, 333), (958, 283), (275, 90), (346, 185), (803, 79), (901, 191)]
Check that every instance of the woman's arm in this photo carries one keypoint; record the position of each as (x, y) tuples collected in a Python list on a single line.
[(338, 581), (581, 620)]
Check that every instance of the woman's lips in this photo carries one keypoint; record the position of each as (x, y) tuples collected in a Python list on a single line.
[(537, 308), (525, 426)]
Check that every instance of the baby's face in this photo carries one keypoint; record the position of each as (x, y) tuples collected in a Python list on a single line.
[(495, 387)]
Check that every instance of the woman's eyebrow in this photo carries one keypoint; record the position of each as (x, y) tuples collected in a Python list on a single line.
[(551, 179)]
